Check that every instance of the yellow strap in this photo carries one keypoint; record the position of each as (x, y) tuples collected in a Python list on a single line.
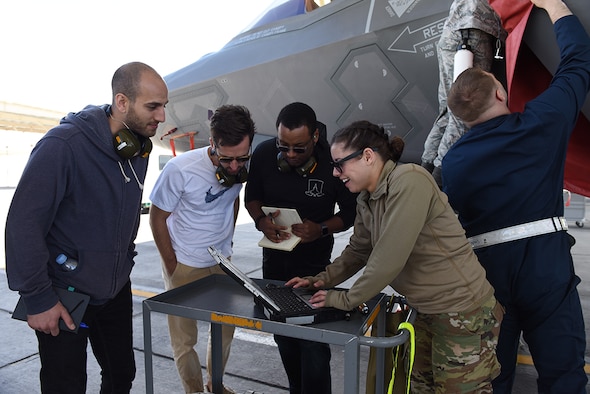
[(410, 328)]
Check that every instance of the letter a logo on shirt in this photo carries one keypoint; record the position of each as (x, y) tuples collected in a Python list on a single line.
[(315, 188)]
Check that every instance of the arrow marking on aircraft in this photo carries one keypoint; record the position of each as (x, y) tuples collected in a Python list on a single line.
[(407, 37)]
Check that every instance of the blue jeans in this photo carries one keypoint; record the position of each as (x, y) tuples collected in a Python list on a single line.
[(307, 365), (63, 358)]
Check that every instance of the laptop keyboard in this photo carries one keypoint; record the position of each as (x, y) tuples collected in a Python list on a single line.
[(288, 301)]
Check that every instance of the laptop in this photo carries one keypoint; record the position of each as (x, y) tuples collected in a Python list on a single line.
[(280, 303)]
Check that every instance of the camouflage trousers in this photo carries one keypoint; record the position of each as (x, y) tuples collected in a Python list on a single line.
[(447, 129), (456, 352)]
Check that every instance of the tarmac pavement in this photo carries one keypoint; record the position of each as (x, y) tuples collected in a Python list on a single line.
[(254, 364)]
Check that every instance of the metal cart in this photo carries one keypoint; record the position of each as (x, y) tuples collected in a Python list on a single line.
[(220, 300)]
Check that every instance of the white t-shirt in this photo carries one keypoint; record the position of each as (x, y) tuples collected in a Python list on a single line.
[(202, 209)]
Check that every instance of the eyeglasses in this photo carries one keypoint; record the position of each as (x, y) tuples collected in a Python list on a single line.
[(338, 164), (229, 159), (297, 149)]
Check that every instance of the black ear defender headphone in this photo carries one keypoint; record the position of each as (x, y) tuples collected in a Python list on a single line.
[(228, 180), (307, 168), (128, 144)]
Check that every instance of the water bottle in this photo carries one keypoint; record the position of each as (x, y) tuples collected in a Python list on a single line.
[(66, 263), (463, 60)]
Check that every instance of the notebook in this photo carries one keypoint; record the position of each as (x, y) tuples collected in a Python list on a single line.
[(280, 303), (74, 302), (287, 217)]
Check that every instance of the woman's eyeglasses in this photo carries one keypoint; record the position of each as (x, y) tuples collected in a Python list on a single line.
[(338, 164)]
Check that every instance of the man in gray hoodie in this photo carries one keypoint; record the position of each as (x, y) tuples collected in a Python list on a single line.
[(80, 195)]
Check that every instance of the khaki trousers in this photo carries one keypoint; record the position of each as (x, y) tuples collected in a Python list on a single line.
[(184, 332)]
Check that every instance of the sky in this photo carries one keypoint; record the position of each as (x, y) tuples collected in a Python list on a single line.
[(61, 54)]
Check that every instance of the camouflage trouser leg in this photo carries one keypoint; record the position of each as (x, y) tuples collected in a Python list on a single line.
[(432, 141), (456, 352), (447, 129), (482, 46)]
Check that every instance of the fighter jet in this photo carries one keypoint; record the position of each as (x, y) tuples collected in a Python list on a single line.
[(357, 59)]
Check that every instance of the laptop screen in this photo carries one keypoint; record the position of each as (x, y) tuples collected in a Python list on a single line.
[(247, 282)]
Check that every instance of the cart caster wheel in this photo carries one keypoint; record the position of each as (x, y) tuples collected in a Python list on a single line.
[(579, 224)]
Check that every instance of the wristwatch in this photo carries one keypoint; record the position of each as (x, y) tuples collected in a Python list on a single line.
[(325, 231)]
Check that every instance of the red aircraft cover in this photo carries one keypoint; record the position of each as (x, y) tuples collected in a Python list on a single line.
[(527, 77)]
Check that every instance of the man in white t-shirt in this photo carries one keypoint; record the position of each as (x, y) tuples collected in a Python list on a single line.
[(194, 205)]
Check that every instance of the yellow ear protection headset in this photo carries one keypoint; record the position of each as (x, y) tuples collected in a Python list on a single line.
[(128, 144), (307, 168), (228, 180)]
